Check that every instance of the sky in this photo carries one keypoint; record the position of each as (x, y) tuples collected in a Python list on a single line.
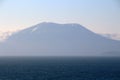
[(100, 16)]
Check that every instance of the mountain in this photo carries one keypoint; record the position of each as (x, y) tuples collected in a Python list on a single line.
[(52, 39)]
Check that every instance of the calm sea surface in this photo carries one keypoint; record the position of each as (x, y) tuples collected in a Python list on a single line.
[(59, 68)]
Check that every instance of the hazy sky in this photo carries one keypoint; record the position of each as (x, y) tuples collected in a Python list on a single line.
[(101, 16)]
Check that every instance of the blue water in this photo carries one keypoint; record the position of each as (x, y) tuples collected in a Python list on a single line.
[(59, 68)]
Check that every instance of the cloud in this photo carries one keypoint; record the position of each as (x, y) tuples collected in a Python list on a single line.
[(5, 35), (112, 36)]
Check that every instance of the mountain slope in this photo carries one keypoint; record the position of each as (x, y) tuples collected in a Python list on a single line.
[(58, 39)]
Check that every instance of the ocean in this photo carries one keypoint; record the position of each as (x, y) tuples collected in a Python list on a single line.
[(59, 68)]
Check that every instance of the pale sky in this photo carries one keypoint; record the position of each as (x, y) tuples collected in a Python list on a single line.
[(100, 16)]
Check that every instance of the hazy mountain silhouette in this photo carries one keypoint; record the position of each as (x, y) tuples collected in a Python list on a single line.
[(58, 39)]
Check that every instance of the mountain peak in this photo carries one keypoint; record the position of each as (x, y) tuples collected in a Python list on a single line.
[(50, 26), (52, 23)]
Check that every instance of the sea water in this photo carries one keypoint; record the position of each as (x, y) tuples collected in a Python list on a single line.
[(59, 68)]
